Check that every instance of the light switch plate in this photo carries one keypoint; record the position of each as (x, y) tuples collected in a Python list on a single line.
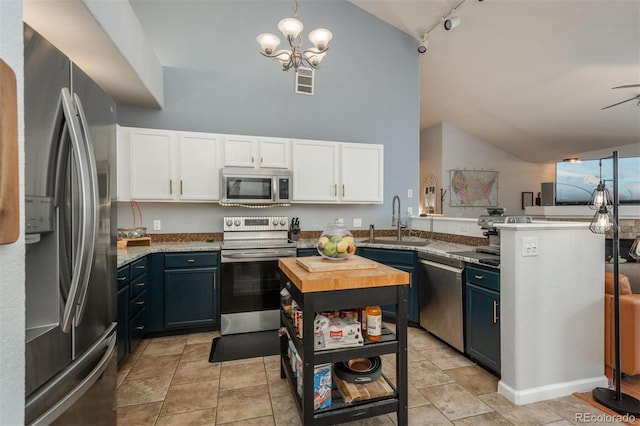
[(530, 246)]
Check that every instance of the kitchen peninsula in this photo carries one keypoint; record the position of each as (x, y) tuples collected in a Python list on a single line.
[(336, 290)]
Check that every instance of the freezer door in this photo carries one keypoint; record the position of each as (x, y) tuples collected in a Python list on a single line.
[(83, 393)]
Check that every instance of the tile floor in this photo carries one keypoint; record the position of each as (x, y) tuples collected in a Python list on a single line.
[(169, 381)]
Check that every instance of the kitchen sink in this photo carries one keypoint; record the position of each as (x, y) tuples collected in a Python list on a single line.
[(414, 243)]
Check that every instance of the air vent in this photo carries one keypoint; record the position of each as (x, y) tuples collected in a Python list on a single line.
[(304, 81)]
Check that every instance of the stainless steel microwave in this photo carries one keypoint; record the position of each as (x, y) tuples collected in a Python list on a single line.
[(239, 185)]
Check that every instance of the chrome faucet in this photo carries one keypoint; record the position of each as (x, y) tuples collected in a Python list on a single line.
[(396, 222)]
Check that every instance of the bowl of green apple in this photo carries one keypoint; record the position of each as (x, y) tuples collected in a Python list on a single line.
[(336, 243)]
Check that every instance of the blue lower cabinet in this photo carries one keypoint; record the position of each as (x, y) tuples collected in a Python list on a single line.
[(190, 297), (405, 260), (482, 312), (122, 331)]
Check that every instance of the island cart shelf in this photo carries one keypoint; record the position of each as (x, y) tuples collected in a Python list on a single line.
[(339, 290)]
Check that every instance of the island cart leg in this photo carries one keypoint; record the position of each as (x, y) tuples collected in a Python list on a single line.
[(308, 314), (401, 361)]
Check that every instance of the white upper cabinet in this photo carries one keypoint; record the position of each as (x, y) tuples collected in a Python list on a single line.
[(335, 172), (315, 171), (151, 164), (198, 168), (362, 172), (165, 165), (249, 151)]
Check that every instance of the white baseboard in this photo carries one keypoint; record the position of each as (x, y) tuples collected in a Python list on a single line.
[(556, 390)]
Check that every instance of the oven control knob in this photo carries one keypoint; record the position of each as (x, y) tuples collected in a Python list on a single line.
[(489, 223), (275, 221), (236, 222), (283, 221), (229, 222)]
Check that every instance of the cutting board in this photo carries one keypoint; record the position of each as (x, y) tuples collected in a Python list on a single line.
[(320, 264), (9, 202)]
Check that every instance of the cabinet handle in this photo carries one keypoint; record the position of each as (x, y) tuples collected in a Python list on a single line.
[(495, 312), (343, 189), (141, 302), (170, 187), (180, 186), (261, 160), (214, 282), (140, 267), (251, 160), (190, 260), (335, 189), (141, 328), (479, 277), (122, 278), (140, 285)]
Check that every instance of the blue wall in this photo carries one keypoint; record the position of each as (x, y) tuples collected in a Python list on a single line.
[(216, 81)]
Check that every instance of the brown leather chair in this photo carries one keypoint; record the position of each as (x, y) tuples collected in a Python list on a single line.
[(629, 326)]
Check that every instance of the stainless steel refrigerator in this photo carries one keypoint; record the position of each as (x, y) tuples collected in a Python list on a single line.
[(71, 241)]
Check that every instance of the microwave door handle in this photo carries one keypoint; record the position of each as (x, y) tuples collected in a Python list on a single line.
[(274, 189)]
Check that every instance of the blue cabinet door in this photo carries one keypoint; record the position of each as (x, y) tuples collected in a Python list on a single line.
[(483, 326), (190, 297), (405, 260), (122, 334)]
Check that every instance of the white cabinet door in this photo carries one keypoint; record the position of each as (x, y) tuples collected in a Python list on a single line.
[(151, 166), (240, 151), (315, 171), (198, 168), (275, 153), (361, 171)]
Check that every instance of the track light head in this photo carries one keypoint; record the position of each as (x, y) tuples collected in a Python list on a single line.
[(451, 22), (422, 48)]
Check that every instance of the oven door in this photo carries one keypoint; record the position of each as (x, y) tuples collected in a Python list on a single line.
[(250, 290)]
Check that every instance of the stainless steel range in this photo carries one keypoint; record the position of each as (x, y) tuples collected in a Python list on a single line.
[(488, 222), (250, 284)]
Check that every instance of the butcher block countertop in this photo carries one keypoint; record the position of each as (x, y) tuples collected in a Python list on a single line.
[(307, 282)]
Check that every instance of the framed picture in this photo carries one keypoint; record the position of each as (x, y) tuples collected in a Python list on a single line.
[(473, 188), (527, 199)]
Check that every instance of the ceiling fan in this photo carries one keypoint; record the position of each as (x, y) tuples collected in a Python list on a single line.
[(627, 100)]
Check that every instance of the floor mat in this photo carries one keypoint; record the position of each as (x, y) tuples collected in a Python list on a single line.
[(245, 345)]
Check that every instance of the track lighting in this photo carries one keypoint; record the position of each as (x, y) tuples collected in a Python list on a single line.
[(422, 48), (451, 23)]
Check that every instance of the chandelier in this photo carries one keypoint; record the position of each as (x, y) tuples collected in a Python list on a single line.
[(294, 57)]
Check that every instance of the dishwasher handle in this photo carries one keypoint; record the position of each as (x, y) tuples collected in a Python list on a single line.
[(441, 266)]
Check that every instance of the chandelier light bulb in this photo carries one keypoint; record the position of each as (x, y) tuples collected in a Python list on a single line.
[(320, 38), (290, 27), (283, 56), (601, 222), (268, 42), (600, 197), (314, 58)]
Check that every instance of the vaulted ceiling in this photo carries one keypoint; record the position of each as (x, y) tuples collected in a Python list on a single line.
[(529, 76)]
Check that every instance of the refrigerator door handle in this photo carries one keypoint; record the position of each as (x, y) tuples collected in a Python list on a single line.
[(81, 270), (91, 207), (61, 406)]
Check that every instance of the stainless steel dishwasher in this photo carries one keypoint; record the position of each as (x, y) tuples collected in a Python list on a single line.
[(441, 303)]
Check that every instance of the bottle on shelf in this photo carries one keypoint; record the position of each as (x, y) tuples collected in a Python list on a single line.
[(374, 323)]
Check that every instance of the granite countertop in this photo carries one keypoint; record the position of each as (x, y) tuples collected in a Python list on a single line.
[(437, 247), (130, 254)]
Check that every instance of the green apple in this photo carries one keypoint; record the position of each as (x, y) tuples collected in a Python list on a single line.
[(329, 249), (335, 238)]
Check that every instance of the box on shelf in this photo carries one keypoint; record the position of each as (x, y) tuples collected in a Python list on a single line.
[(336, 333), (293, 356), (321, 384)]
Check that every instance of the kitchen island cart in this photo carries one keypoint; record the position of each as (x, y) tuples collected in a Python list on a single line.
[(344, 290)]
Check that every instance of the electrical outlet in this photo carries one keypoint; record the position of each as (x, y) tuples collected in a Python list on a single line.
[(464, 228), (357, 223), (157, 225), (409, 211), (409, 193), (530, 246), (340, 221)]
